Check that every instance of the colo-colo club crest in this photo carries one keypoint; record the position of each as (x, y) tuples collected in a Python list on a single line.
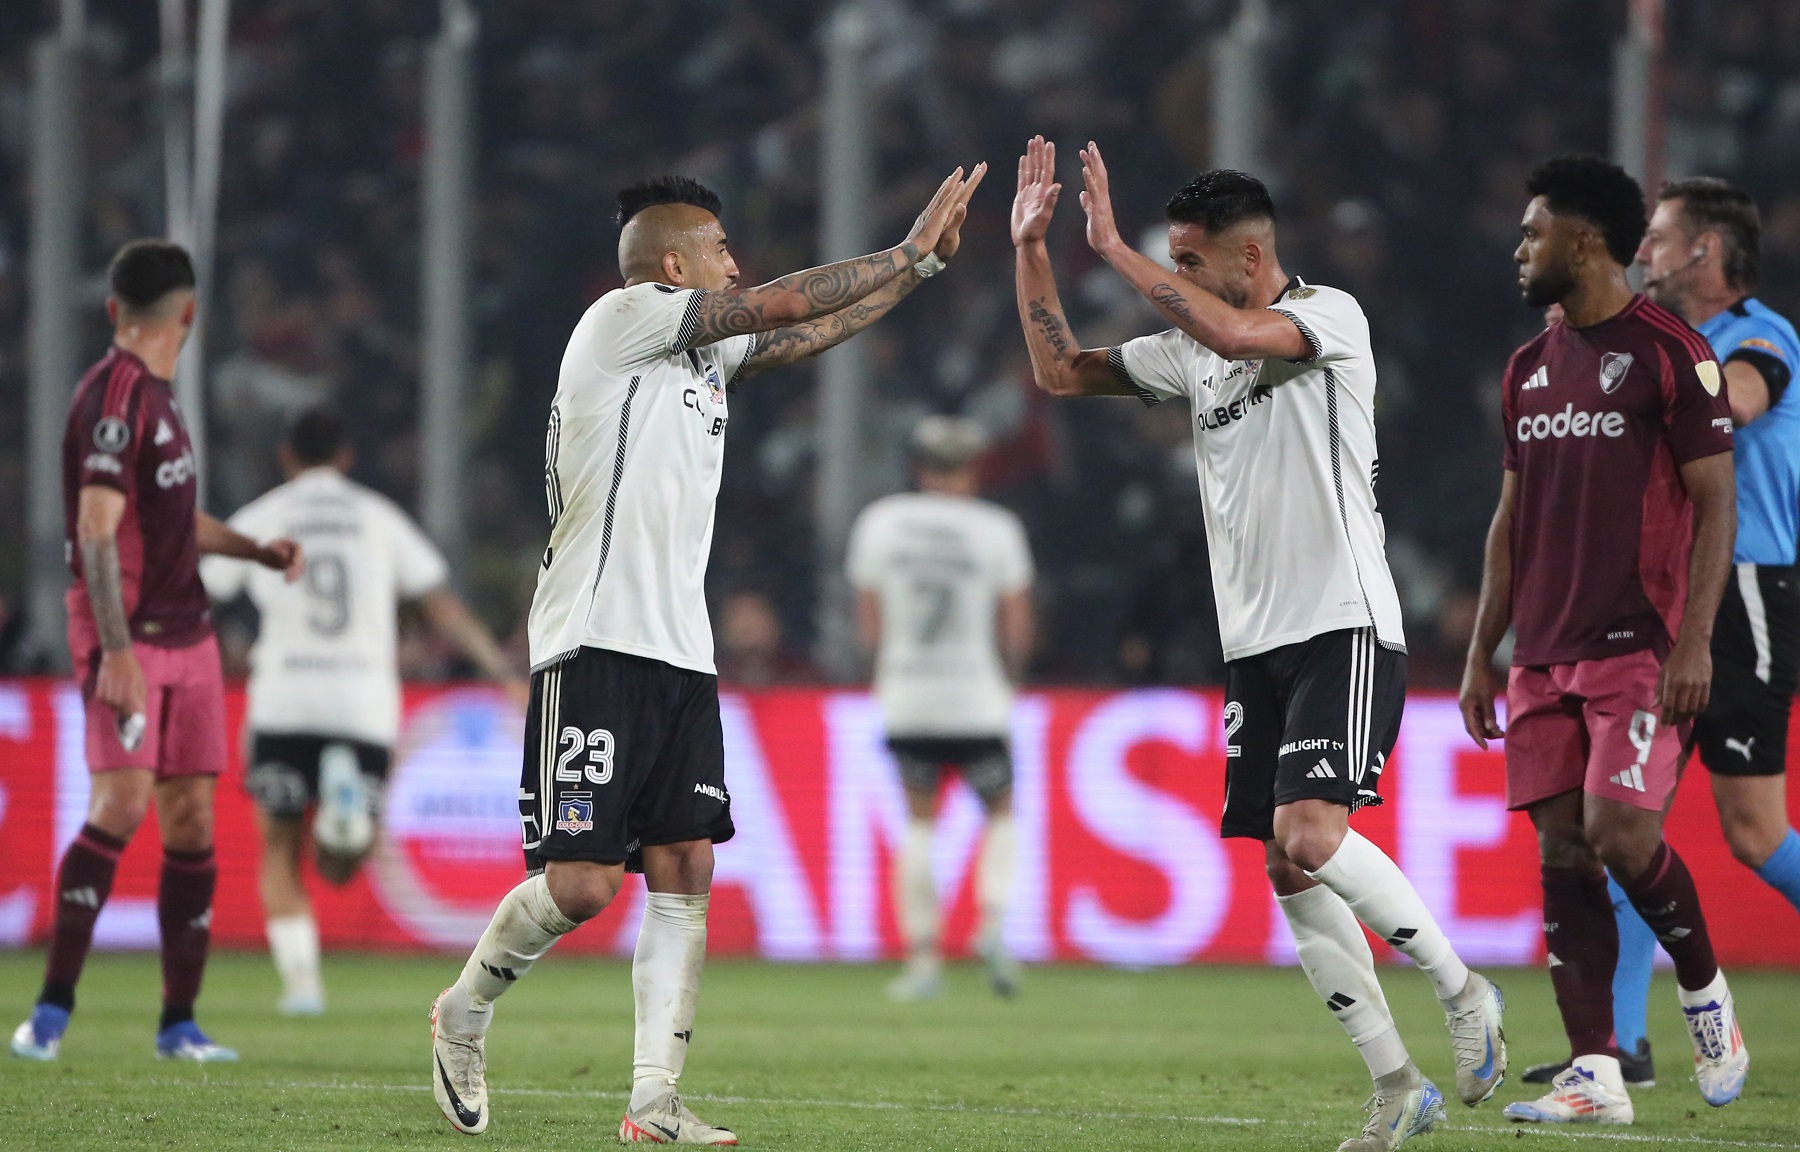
[(575, 814)]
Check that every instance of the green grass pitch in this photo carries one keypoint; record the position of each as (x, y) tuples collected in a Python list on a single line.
[(804, 1057)]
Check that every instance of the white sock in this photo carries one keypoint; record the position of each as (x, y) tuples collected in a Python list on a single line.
[(1383, 898), (1335, 955), (294, 946), (915, 892), (994, 875), (524, 927), (665, 982)]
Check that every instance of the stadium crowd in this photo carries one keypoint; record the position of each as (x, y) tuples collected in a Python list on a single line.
[(1398, 134)]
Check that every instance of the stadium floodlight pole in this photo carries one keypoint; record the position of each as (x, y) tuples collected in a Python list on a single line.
[(1237, 99), (53, 329), (209, 153), (447, 192), (846, 179), (175, 76), (1637, 119)]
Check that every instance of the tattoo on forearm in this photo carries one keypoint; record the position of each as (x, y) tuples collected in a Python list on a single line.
[(106, 592), (1170, 300), (823, 290), (798, 341), (1052, 327)]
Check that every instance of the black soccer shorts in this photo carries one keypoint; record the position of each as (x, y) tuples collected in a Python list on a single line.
[(983, 762), (283, 776), (1315, 720), (1756, 664), (620, 752)]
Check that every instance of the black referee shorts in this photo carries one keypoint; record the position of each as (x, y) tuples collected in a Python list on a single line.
[(1315, 720), (1756, 664), (620, 752)]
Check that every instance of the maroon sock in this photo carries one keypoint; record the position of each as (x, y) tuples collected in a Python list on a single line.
[(83, 883), (1667, 900), (1583, 940), (184, 910)]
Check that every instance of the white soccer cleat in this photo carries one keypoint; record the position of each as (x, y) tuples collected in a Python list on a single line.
[(1721, 1062), (1589, 1092), (666, 1120), (345, 822), (458, 1075), (1477, 1039), (921, 980), (301, 1004), (185, 1041), (1396, 1115)]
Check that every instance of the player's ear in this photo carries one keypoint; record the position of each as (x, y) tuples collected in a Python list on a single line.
[(187, 312), (112, 310), (674, 269)]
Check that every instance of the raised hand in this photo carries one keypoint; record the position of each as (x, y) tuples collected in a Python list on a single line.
[(1035, 202), (951, 239), (1096, 201), (928, 229)]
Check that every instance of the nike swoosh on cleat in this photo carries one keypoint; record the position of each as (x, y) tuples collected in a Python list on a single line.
[(1487, 1066), (467, 1118), (674, 1137)]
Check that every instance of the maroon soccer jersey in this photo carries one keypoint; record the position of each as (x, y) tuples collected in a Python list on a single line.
[(1599, 421), (125, 433)]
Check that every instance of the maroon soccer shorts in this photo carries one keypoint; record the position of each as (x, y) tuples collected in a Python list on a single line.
[(1591, 725), (184, 700)]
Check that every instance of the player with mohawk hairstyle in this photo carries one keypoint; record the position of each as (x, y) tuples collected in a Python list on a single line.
[(624, 752)]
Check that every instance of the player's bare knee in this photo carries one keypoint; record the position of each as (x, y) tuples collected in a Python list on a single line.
[(1753, 841), (1625, 849), (582, 889), (1310, 832), (684, 868), (1285, 877)]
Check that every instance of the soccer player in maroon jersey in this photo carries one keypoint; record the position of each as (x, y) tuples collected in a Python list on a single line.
[(140, 634), (1608, 555)]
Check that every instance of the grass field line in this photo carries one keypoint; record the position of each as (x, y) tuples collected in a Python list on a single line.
[(1554, 1132)]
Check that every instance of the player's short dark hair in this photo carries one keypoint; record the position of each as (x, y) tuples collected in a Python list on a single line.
[(1218, 199), (316, 436), (1710, 204), (666, 190), (143, 272), (1598, 191)]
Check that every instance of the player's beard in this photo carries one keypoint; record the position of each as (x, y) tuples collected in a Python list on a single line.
[(1549, 287)]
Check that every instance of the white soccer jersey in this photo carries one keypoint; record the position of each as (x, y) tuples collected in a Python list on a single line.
[(939, 565), (1287, 462), (633, 456), (324, 660)]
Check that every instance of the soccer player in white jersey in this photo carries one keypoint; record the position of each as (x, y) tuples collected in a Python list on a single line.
[(1281, 380), (943, 597), (624, 752), (324, 686)]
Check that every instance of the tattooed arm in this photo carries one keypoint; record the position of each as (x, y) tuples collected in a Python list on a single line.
[(819, 292), (119, 683), (1234, 333), (1060, 365), (798, 341)]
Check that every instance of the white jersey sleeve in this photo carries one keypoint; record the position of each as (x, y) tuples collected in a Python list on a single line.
[(634, 329), (227, 577), (418, 565), (1014, 571), (1159, 367), (1332, 322)]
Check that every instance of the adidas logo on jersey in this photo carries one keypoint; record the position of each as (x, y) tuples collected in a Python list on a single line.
[(1632, 777), (1321, 771), (164, 433), (1538, 379)]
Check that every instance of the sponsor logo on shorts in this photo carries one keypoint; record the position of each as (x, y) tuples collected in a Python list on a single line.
[(718, 794), (1624, 635), (1293, 746), (575, 813)]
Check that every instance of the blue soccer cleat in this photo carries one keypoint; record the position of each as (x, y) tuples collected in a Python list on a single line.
[(185, 1041), (41, 1035)]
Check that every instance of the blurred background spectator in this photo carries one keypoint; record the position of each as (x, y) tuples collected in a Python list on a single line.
[(1399, 135)]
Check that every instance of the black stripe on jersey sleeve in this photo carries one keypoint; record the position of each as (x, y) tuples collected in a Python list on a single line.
[(1115, 360), (690, 323), (757, 340), (1312, 341)]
